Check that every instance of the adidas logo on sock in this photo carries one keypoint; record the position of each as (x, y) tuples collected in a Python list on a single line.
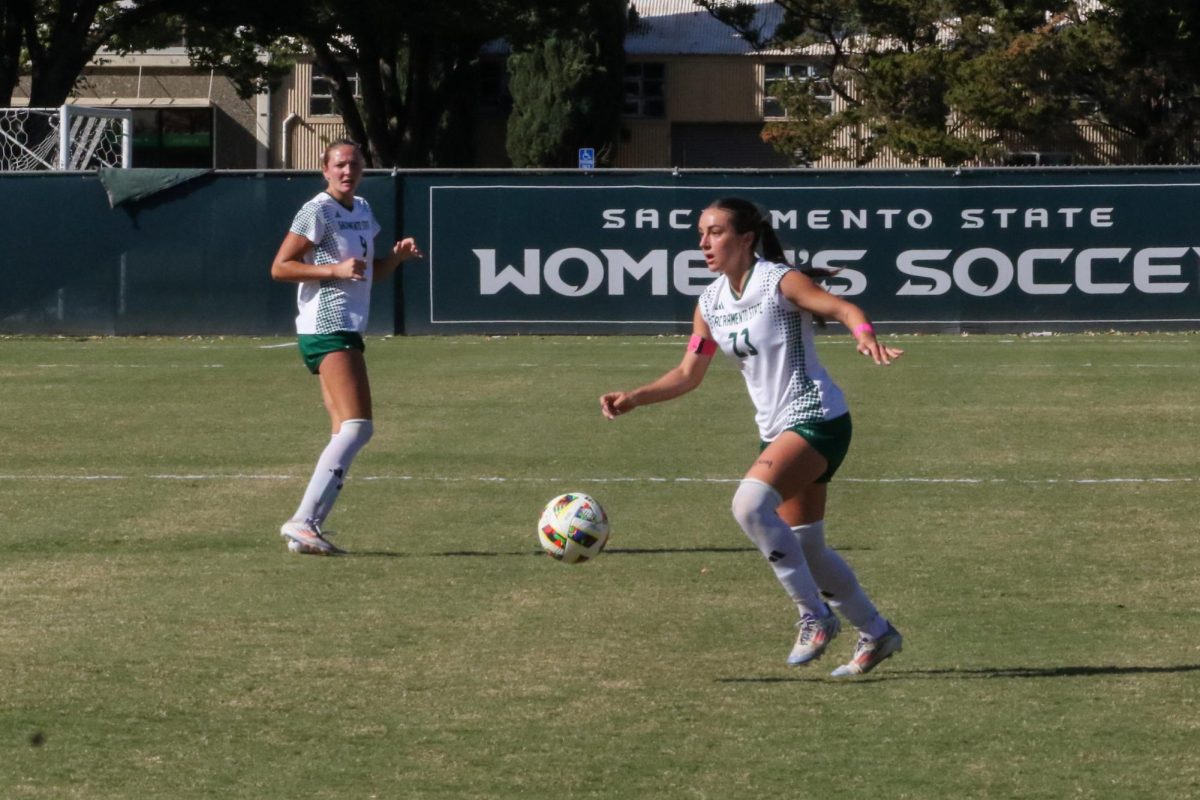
[(775, 556)]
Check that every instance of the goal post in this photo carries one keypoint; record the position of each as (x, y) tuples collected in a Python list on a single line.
[(83, 135), (71, 137)]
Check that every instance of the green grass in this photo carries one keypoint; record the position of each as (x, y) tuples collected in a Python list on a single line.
[(1024, 509)]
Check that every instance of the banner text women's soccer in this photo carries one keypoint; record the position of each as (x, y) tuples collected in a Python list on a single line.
[(932, 250)]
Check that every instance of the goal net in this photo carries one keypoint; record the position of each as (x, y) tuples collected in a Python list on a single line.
[(67, 138)]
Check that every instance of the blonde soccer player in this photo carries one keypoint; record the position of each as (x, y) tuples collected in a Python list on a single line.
[(330, 252), (759, 312)]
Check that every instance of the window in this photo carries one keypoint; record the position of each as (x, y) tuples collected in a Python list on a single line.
[(644, 95), (173, 137), (321, 100), (812, 77)]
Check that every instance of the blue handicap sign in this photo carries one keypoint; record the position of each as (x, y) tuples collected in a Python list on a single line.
[(587, 158)]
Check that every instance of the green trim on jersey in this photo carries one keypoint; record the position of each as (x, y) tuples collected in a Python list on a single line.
[(315, 346), (745, 282), (830, 438)]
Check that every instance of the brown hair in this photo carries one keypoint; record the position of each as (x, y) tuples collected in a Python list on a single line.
[(746, 217), (335, 144)]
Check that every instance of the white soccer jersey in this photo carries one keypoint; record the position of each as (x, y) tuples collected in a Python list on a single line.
[(772, 342), (337, 233)]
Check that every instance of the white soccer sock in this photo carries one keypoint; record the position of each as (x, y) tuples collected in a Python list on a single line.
[(838, 582), (331, 470), (754, 508)]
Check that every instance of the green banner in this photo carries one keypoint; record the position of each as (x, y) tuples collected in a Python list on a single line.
[(602, 252), (934, 250)]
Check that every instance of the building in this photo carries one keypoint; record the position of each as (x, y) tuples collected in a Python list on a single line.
[(697, 95), (183, 117), (694, 97)]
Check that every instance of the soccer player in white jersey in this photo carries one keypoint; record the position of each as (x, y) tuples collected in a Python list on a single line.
[(759, 312), (330, 252)]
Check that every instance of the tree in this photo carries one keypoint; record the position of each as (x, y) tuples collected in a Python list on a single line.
[(1128, 70), (957, 80), (567, 90), (11, 35), (1145, 81), (897, 67), (53, 40), (414, 61)]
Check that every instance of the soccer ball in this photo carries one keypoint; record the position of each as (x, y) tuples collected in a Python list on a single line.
[(573, 528)]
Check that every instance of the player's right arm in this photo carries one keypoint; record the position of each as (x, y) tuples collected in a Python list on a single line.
[(674, 383), (289, 264)]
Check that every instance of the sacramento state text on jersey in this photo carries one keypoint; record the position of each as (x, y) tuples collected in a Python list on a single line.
[(772, 342)]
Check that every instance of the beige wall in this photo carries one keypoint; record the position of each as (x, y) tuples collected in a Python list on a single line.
[(713, 90), (302, 138), (716, 89), (163, 82), (645, 143)]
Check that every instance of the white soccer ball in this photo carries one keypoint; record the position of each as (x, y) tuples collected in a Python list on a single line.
[(573, 528)]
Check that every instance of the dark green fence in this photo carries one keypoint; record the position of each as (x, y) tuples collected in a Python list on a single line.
[(605, 252), (191, 259)]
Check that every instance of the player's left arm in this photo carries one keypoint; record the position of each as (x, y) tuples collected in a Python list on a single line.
[(402, 251), (804, 293)]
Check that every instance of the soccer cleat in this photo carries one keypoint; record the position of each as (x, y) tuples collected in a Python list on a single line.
[(306, 537), (815, 635), (870, 652)]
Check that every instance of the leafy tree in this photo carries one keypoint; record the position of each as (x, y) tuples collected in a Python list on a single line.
[(415, 61), (884, 60), (52, 40), (11, 36), (567, 90), (957, 80), (1130, 70), (1145, 75)]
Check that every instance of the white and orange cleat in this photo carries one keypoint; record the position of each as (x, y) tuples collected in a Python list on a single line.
[(306, 537), (815, 635), (870, 652)]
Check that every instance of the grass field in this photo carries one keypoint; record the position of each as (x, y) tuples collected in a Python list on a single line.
[(1023, 508)]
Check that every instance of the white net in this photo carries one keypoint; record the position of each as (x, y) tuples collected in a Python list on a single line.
[(67, 138)]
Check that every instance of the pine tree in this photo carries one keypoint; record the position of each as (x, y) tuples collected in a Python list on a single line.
[(566, 91)]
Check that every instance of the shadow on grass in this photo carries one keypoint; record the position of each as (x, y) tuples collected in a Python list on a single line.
[(614, 551), (1047, 672), (885, 674)]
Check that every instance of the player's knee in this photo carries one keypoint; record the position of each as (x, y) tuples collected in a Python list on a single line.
[(357, 430), (753, 502), (812, 539)]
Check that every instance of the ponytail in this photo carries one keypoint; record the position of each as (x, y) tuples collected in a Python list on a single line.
[(768, 243)]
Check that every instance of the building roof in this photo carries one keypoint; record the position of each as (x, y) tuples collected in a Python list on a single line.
[(680, 27)]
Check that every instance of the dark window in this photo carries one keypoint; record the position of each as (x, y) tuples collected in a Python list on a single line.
[(645, 94), (173, 137)]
